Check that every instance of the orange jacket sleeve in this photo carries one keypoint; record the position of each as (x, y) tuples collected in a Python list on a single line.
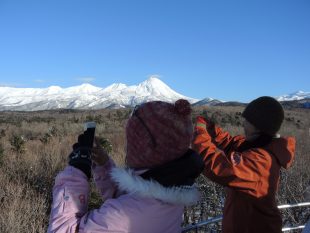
[(241, 171), (222, 139)]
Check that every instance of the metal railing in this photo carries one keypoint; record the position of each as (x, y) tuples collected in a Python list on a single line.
[(196, 226)]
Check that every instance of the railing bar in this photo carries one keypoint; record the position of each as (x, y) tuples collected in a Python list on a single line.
[(293, 228), (294, 205), (200, 224)]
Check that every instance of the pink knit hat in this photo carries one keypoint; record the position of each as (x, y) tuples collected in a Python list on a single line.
[(158, 132)]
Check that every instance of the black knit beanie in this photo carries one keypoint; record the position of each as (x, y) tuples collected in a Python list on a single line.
[(265, 113)]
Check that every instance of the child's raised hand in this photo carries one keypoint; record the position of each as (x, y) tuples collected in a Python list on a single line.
[(201, 123)]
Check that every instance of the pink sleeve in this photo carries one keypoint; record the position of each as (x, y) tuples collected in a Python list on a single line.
[(70, 200), (103, 181), (111, 217)]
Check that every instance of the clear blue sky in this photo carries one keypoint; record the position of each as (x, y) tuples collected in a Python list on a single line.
[(225, 49)]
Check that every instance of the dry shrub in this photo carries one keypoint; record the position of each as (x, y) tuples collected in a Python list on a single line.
[(22, 209)]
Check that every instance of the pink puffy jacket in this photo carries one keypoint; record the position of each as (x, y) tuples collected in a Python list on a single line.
[(132, 204)]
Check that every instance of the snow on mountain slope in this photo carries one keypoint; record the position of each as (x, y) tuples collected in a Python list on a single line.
[(115, 87), (86, 96), (207, 102), (299, 95)]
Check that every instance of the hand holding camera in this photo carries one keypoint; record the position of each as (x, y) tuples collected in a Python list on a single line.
[(80, 157)]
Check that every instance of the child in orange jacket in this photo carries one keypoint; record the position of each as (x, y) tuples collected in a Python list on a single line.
[(249, 166)]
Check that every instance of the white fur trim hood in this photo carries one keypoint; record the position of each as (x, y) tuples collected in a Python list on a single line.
[(128, 181)]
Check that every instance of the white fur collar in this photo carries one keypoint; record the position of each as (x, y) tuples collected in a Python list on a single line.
[(131, 183)]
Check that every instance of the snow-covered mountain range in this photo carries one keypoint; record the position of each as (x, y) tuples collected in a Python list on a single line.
[(299, 95), (87, 96)]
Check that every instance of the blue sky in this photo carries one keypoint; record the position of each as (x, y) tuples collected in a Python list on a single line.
[(230, 50)]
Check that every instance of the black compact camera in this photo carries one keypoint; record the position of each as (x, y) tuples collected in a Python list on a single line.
[(89, 133)]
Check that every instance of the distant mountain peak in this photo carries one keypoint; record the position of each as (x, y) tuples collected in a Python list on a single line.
[(154, 79), (87, 96), (87, 86), (153, 87), (83, 88), (153, 82), (115, 87), (298, 95)]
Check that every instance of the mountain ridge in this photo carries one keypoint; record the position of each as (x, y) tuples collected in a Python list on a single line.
[(117, 95), (87, 96)]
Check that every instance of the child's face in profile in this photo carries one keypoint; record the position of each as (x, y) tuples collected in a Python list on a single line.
[(250, 130)]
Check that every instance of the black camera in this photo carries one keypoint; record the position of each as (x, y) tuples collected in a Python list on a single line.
[(89, 133)]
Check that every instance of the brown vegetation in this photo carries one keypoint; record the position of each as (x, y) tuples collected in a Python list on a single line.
[(34, 148)]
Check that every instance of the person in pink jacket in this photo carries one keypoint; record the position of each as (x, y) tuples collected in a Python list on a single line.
[(149, 195)]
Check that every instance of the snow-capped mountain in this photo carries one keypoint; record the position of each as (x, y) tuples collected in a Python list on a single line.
[(87, 96), (117, 95), (207, 102), (299, 95), (298, 99)]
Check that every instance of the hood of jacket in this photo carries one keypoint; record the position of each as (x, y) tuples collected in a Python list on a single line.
[(128, 181), (283, 149)]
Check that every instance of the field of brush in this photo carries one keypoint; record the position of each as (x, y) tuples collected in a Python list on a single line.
[(34, 147)]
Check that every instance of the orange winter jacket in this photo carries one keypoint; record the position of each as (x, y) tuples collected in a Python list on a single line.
[(251, 178)]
